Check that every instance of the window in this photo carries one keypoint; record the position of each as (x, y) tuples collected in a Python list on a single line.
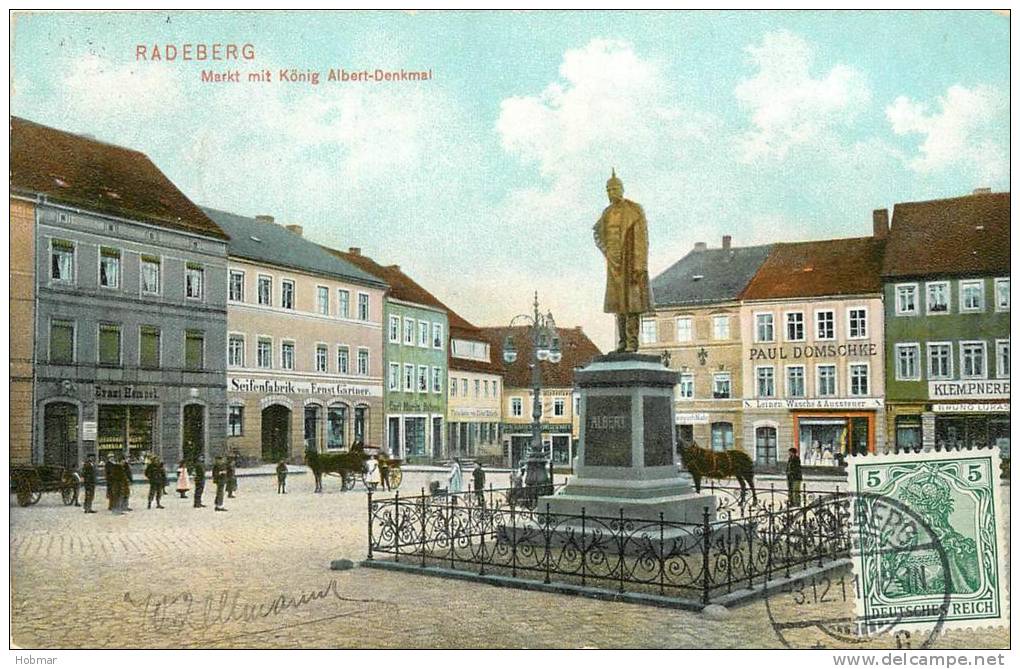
[(287, 294), (495, 388), (825, 385), (485, 387), (825, 325), (321, 358), (150, 275), (409, 331), (61, 261), (265, 290), (423, 379), (343, 360), (235, 351), (478, 388), (363, 361), (857, 320), (264, 353), (394, 377), (287, 355), (858, 379), (721, 327), (109, 344), (649, 331), (1002, 294), (148, 347), (336, 427), (940, 360), (907, 365), (687, 386), (109, 268), (765, 445), (463, 387), (408, 378), (972, 359), (453, 387), (795, 326), (395, 329), (193, 280), (795, 381), (235, 421), (322, 300), (194, 349), (363, 306), (516, 406), (423, 334), (937, 297), (1002, 358), (766, 381), (721, 386), (972, 296), (684, 328), (722, 436), (437, 380), (906, 299), (61, 342), (764, 328), (235, 289), (437, 335), (343, 303)]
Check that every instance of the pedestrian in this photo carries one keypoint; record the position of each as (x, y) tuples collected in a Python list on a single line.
[(794, 477), (88, 477), (199, 477), (384, 470), (126, 479), (156, 475), (231, 476), (455, 480), (112, 484), (281, 478), (219, 475), (515, 478), (372, 472), (183, 483), (478, 474)]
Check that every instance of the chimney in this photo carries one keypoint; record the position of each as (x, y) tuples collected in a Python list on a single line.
[(727, 240), (982, 191), (700, 246), (880, 223), (354, 250), (265, 218), (297, 230)]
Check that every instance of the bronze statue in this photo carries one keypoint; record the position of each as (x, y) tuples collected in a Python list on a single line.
[(622, 236)]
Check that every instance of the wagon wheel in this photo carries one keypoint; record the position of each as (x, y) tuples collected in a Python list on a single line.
[(29, 489), (395, 476), (348, 481), (68, 487)]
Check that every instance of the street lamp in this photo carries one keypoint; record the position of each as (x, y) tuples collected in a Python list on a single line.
[(545, 346)]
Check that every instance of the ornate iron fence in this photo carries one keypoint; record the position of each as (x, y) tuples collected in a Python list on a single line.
[(748, 545)]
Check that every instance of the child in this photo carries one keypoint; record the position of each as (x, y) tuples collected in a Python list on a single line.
[(281, 478)]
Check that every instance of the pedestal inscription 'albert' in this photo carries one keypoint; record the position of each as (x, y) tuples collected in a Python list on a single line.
[(608, 429)]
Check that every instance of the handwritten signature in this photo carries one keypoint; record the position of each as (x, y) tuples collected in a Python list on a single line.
[(173, 613)]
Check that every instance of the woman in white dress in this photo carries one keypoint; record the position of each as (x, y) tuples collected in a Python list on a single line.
[(183, 482)]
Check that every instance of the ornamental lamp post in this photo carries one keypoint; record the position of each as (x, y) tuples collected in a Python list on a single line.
[(545, 346)]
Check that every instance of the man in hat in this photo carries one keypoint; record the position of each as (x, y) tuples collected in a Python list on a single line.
[(219, 475), (88, 478), (621, 234), (794, 477), (156, 475), (199, 478)]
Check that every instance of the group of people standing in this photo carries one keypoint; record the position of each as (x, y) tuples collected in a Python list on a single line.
[(224, 476)]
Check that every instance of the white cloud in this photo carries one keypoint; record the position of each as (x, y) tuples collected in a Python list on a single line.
[(968, 131), (788, 106), (95, 86)]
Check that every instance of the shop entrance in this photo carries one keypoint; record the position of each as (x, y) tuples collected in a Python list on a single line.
[(393, 436), (60, 435), (825, 441), (194, 432), (312, 428), (561, 450), (275, 433)]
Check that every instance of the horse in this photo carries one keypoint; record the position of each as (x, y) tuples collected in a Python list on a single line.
[(348, 465), (701, 462)]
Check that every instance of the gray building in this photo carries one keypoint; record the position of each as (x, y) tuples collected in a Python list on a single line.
[(130, 324)]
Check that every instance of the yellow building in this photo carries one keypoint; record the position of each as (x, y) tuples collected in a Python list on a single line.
[(22, 328)]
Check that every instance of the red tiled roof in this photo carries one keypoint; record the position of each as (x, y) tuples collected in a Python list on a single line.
[(961, 235), (577, 350), (100, 177), (819, 268)]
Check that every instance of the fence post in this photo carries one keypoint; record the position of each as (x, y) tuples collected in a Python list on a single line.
[(662, 554), (771, 545), (621, 539), (424, 510), (369, 524), (396, 526), (584, 550), (705, 531), (548, 544), (789, 531), (513, 540), (449, 531), (749, 529), (819, 517)]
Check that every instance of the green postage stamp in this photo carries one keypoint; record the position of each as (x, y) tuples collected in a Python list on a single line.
[(927, 541)]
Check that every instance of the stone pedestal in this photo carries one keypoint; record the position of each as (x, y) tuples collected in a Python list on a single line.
[(626, 454)]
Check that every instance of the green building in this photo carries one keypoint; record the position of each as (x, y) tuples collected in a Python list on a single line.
[(415, 340), (946, 292)]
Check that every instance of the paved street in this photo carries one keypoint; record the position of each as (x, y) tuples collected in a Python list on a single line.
[(130, 581)]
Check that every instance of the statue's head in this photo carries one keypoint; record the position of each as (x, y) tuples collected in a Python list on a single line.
[(614, 188)]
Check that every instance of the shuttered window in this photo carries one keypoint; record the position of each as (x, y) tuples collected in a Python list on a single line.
[(109, 344), (194, 349), (61, 342), (148, 347)]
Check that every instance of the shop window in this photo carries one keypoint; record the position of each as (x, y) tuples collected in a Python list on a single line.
[(61, 342), (194, 350), (908, 434), (561, 449), (109, 344), (765, 445), (235, 421), (61, 261), (722, 436), (148, 347), (128, 429), (938, 297), (414, 436), (336, 423), (109, 267)]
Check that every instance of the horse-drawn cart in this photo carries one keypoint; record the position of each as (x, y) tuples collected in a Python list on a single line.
[(351, 467), (29, 482)]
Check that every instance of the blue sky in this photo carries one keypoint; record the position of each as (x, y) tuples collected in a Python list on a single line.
[(484, 183)]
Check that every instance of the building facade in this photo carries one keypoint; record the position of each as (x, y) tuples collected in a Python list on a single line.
[(303, 347), (812, 327), (946, 280), (21, 341), (475, 395), (131, 304), (697, 324)]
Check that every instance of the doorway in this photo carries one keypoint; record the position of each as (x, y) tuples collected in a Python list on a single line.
[(275, 433), (312, 428), (60, 435), (194, 432), (437, 438)]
